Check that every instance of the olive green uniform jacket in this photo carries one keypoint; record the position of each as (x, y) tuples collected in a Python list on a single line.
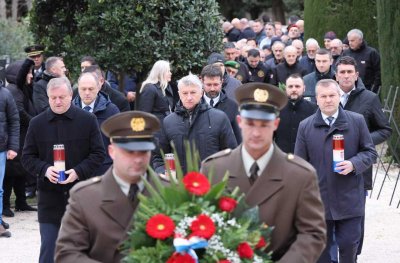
[(288, 197), (96, 222)]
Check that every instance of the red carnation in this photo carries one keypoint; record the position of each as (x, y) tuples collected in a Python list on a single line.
[(160, 226), (196, 183), (227, 204), (244, 250), (203, 227), (224, 261), (180, 258), (261, 243)]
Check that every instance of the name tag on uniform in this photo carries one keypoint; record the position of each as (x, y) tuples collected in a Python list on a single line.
[(362, 61)]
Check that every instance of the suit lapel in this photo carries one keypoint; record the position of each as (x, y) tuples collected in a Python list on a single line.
[(269, 182), (238, 177), (114, 202)]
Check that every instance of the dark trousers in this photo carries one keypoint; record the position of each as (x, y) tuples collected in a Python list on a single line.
[(48, 237), (360, 245), (347, 233), (15, 178)]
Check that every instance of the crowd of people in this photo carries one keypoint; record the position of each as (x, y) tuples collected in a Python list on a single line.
[(251, 107)]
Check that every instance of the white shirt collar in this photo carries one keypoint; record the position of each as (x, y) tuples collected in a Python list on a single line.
[(216, 99), (344, 96), (91, 105), (125, 185), (325, 117), (262, 162), (348, 93)]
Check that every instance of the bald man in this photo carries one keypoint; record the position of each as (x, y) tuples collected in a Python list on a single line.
[(93, 100), (288, 67)]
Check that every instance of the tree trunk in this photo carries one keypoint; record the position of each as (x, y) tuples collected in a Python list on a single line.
[(29, 4), (278, 11), (3, 14), (14, 10)]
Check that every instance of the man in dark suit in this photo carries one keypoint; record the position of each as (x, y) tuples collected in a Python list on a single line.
[(355, 97), (283, 186), (340, 172), (100, 210), (211, 77), (76, 129)]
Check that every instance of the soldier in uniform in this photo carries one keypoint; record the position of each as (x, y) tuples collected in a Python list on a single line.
[(100, 210), (283, 186), (35, 53)]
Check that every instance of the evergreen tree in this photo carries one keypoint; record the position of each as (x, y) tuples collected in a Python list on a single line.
[(126, 35), (388, 26), (340, 16)]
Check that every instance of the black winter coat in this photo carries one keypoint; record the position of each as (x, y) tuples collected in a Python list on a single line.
[(40, 99), (291, 116), (209, 129), (368, 64), (367, 103), (22, 94), (231, 109), (116, 97), (103, 109), (229, 86), (9, 121), (284, 70), (310, 81), (152, 100), (307, 64), (84, 152)]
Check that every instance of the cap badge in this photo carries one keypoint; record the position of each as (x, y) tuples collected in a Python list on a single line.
[(138, 124), (261, 95)]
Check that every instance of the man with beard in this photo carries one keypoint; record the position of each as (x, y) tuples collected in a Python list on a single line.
[(259, 72), (229, 83), (296, 110), (323, 70), (211, 77)]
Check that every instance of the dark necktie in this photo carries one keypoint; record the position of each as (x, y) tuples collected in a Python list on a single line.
[(212, 103), (330, 120), (253, 173), (87, 108), (133, 190)]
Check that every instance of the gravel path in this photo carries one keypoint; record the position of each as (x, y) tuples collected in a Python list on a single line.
[(381, 243)]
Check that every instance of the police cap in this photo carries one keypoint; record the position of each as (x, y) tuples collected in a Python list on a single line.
[(260, 101), (34, 50), (132, 130)]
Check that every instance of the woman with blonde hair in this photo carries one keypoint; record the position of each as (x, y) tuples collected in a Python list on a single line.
[(156, 95)]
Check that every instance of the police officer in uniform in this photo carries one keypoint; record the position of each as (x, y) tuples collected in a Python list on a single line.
[(35, 53), (259, 71), (100, 210), (283, 186)]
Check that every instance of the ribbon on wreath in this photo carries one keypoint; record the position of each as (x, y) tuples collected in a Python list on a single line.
[(189, 245)]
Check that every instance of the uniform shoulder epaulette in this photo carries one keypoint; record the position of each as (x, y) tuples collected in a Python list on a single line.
[(91, 181), (299, 161), (218, 155)]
